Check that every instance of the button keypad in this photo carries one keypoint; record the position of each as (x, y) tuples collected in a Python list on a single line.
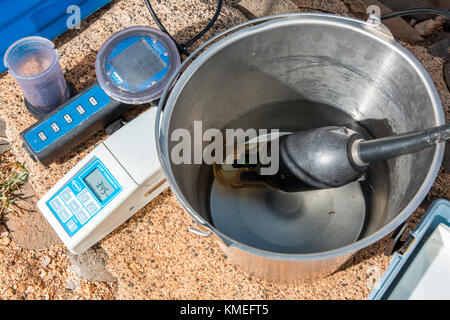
[(42, 136), (80, 109), (93, 101), (68, 118), (55, 127)]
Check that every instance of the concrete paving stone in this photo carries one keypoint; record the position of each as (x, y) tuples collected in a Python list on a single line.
[(326, 6), (447, 73), (2, 129), (4, 143), (3, 231), (440, 49), (27, 225), (428, 27), (91, 265), (4, 146), (446, 161), (260, 8)]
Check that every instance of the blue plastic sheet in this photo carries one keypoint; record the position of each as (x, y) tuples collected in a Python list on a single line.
[(45, 18)]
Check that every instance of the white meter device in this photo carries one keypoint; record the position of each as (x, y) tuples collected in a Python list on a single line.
[(107, 187)]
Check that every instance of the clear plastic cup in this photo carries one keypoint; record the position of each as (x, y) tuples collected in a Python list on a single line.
[(33, 62)]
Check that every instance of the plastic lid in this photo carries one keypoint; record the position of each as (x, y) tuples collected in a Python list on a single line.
[(134, 65)]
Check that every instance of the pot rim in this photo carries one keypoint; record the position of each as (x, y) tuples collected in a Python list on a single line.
[(170, 96)]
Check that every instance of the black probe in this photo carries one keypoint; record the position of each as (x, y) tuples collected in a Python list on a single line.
[(331, 157)]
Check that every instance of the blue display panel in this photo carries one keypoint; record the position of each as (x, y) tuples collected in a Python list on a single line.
[(62, 122), (84, 196)]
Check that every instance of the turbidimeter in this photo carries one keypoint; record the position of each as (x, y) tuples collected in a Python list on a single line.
[(122, 174), (132, 67), (112, 183)]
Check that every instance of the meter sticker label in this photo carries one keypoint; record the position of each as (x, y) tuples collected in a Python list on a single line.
[(66, 119), (84, 196)]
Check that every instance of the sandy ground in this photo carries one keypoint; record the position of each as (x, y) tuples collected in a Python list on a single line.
[(153, 256)]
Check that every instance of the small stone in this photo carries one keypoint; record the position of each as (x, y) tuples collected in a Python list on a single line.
[(427, 27), (21, 287), (72, 284), (3, 231), (45, 261), (41, 285), (91, 265), (4, 241), (92, 288)]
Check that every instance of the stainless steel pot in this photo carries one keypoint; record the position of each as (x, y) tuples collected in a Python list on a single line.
[(350, 64)]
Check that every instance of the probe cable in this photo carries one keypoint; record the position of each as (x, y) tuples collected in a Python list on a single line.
[(415, 11), (184, 46)]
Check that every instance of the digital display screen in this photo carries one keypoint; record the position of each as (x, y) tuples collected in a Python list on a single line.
[(99, 185), (138, 64)]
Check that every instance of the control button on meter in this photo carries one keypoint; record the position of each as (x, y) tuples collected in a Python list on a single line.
[(71, 225), (68, 118), (64, 214), (80, 109), (82, 216), (76, 185), (56, 203), (93, 101), (42, 136), (92, 207), (55, 127), (74, 205), (67, 195), (85, 197)]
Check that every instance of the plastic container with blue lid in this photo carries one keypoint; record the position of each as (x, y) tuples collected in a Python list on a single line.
[(134, 65)]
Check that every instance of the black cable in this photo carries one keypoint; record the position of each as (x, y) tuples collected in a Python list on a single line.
[(182, 47), (210, 24), (415, 11), (163, 29)]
